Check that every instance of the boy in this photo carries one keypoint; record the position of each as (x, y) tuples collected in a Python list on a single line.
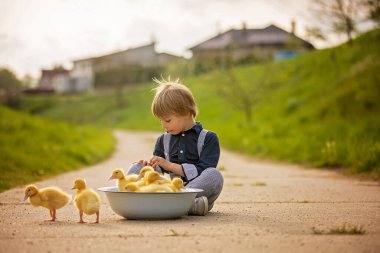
[(186, 150)]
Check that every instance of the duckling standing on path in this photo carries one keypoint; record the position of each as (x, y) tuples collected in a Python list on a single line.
[(86, 200), (122, 179), (49, 197)]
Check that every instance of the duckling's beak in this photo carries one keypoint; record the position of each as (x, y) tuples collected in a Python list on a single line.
[(139, 177), (26, 197), (73, 188), (111, 177)]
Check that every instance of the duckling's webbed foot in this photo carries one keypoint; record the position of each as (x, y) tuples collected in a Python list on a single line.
[(81, 217), (97, 217), (52, 215)]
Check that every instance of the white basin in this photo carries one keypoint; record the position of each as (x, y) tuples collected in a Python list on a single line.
[(150, 205)]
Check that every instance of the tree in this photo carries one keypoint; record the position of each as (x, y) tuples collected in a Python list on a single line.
[(373, 8), (314, 33), (242, 97), (10, 86), (341, 16), (27, 81)]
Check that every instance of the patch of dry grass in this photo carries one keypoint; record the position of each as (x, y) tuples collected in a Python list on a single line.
[(259, 184), (341, 230), (175, 233)]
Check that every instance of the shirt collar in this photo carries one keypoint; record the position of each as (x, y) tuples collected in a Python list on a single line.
[(197, 128)]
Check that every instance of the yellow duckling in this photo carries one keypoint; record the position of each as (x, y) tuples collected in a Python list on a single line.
[(155, 177), (132, 187), (156, 188), (176, 184), (122, 179), (144, 170), (51, 198), (86, 200), (135, 187), (151, 177), (153, 183)]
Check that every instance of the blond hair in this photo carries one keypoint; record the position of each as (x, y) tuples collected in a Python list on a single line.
[(172, 97)]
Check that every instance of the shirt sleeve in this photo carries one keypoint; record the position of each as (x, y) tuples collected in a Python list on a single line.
[(209, 157)]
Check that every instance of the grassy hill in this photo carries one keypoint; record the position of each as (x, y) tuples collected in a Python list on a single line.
[(33, 148), (320, 109)]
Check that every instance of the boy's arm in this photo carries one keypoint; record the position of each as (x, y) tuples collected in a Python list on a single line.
[(166, 165)]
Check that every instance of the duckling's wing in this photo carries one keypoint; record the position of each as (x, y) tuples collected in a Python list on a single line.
[(54, 197), (132, 178), (90, 201), (121, 184)]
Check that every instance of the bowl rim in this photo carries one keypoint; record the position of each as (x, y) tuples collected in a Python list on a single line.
[(113, 188)]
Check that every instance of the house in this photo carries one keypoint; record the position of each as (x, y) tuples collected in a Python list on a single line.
[(144, 56), (261, 43), (83, 75), (84, 71), (54, 80)]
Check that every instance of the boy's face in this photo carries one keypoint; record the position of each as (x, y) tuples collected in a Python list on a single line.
[(175, 124)]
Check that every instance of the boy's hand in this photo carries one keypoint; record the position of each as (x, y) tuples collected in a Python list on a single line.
[(157, 160), (143, 162), (166, 165)]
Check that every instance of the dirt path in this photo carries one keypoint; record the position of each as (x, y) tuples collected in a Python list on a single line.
[(276, 217)]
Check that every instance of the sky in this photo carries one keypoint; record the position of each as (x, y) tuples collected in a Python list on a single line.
[(40, 34)]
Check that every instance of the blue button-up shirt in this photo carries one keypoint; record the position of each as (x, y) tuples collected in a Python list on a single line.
[(183, 150)]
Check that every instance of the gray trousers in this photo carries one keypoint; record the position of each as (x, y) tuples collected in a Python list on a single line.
[(210, 181)]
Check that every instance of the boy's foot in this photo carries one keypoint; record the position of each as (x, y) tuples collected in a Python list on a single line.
[(199, 207)]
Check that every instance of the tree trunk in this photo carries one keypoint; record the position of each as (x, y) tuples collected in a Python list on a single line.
[(349, 28)]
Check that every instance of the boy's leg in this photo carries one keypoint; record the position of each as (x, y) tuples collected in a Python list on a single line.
[(135, 168), (211, 182)]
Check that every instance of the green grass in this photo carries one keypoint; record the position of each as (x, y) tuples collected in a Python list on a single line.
[(98, 108), (319, 109), (32, 149)]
